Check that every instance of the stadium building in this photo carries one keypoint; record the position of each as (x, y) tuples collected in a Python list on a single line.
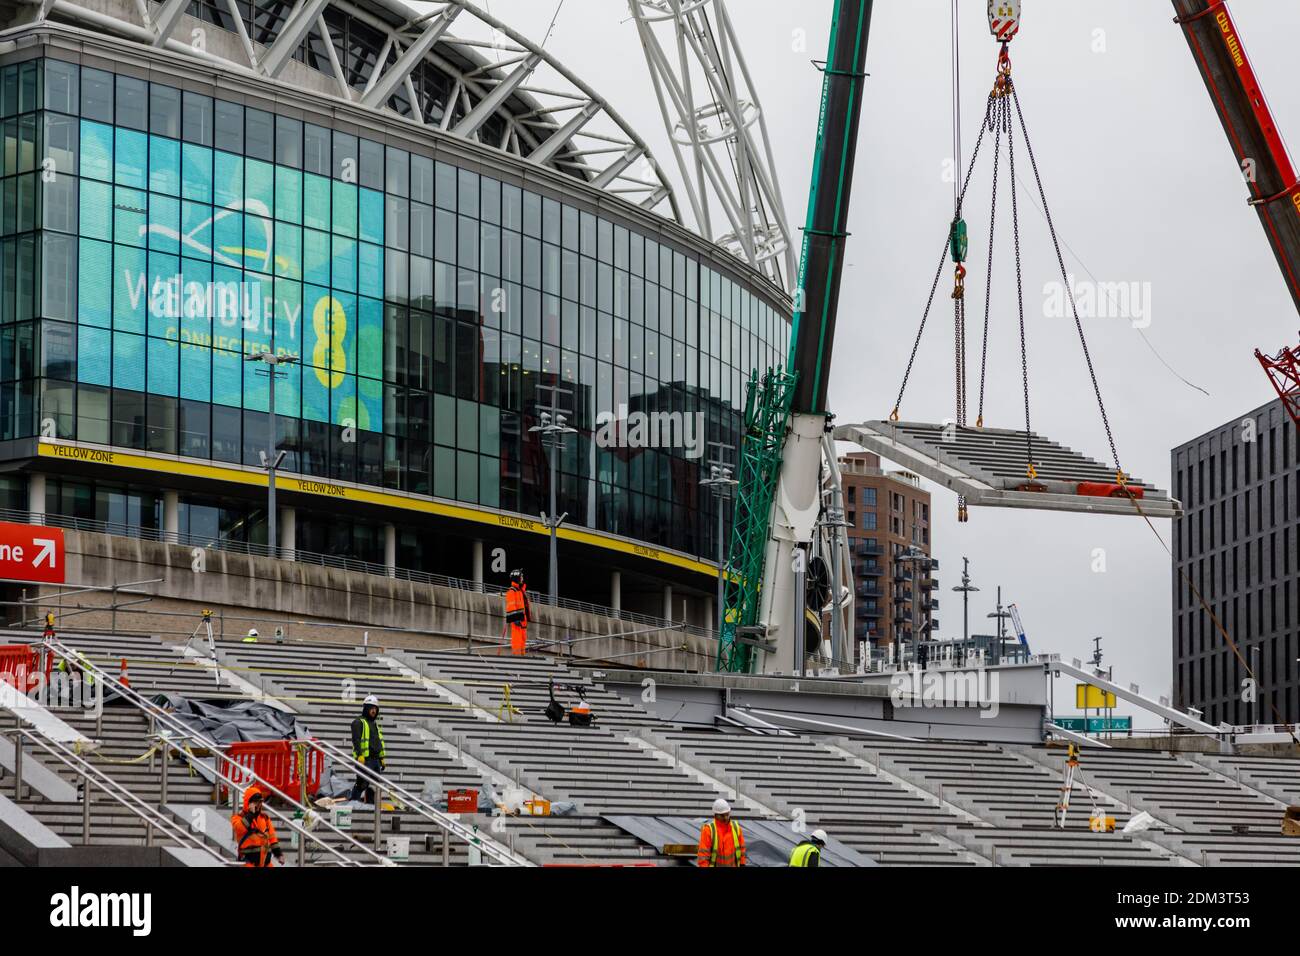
[(448, 237)]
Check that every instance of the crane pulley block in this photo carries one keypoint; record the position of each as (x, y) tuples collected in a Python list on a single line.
[(1004, 18), (958, 240)]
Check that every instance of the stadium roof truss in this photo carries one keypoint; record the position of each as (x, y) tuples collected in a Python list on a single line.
[(454, 68)]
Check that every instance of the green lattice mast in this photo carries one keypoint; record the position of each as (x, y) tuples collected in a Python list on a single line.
[(767, 418)]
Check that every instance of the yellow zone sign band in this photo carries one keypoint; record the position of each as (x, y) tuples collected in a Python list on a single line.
[(192, 468)]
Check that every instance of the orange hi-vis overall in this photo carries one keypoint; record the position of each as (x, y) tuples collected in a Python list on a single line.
[(517, 616), (255, 837), (721, 845)]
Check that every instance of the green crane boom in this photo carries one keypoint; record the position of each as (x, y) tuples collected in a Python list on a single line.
[(801, 389)]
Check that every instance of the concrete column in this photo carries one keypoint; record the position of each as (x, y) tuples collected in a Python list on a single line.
[(36, 498), (710, 619), (477, 562), (390, 549), (287, 533), (616, 590), (171, 516), (668, 602)]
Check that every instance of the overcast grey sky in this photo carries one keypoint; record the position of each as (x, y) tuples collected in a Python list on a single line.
[(1143, 187)]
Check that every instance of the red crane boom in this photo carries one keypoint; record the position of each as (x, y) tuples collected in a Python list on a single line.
[(1275, 191)]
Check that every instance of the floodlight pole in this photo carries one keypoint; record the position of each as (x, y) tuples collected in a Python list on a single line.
[(965, 588), (1001, 614), (553, 431), (722, 486), (271, 360)]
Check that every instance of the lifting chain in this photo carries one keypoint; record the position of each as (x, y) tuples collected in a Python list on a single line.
[(958, 248), (999, 121), (1069, 291), (1030, 471), (938, 272)]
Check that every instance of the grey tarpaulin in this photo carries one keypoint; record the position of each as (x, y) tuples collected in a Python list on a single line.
[(230, 721), (224, 722), (767, 842)]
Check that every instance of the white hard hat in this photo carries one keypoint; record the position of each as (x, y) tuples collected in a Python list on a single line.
[(721, 807), (371, 699), (819, 836), (252, 632)]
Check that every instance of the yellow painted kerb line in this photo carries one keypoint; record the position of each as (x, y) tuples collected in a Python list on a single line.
[(329, 489)]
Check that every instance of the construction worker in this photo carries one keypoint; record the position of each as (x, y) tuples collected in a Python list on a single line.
[(251, 638), (519, 611), (367, 747), (722, 842), (809, 851), (80, 668), (255, 839)]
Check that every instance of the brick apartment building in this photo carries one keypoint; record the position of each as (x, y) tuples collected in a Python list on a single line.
[(888, 513)]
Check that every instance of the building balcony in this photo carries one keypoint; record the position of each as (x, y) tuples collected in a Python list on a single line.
[(930, 604), (868, 550), (873, 572), (869, 590)]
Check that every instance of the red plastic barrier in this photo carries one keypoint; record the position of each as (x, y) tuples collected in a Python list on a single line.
[(18, 663), (276, 762)]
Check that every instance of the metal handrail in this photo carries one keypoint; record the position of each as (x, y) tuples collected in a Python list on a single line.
[(180, 732), (150, 815), (443, 821)]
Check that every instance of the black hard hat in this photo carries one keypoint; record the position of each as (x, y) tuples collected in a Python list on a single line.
[(517, 574)]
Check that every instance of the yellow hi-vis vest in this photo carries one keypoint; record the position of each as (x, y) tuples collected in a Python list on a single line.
[(804, 853), (364, 753), (86, 675)]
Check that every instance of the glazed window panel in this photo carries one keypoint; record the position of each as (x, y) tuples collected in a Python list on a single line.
[(199, 231)]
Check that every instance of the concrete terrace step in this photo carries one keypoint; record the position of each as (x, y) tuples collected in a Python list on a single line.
[(900, 803)]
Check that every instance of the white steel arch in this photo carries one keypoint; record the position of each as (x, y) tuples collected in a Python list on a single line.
[(718, 130)]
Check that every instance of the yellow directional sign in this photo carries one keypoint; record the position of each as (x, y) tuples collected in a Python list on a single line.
[(1087, 697)]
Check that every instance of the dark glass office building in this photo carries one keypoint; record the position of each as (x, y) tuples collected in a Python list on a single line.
[(1239, 545), (442, 265)]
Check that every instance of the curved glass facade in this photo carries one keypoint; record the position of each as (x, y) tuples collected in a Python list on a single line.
[(154, 239)]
